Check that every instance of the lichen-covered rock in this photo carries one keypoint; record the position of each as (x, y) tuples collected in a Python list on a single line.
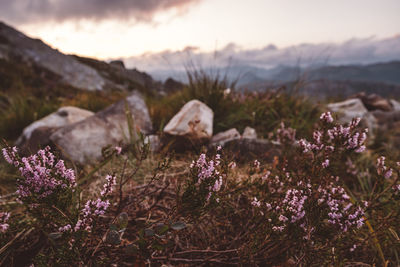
[(82, 142)]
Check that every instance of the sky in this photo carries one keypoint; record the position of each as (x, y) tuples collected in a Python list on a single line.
[(107, 29)]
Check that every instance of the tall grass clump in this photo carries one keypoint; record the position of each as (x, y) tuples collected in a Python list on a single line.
[(263, 111)]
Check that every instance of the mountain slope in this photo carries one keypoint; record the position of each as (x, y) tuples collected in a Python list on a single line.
[(78, 72)]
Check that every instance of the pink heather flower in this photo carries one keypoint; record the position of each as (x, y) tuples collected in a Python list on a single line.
[(65, 228), (91, 209), (4, 216), (206, 170), (304, 145), (285, 135), (396, 188), (317, 137), (325, 164), (388, 174), (40, 176), (283, 218), (278, 228), (10, 155), (256, 202), (382, 169), (266, 175), (326, 117), (256, 164), (108, 186), (118, 149)]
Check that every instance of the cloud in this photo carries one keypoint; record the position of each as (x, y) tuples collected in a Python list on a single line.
[(27, 11), (354, 51)]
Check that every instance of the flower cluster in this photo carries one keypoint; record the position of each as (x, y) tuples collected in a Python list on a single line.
[(293, 197), (4, 216), (207, 172), (285, 135), (41, 175), (118, 149), (338, 137), (382, 169), (341, 211), (92, 209), (326, 117), (108, 186)]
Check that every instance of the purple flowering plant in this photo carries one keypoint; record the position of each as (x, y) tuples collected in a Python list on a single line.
[(49, 191), (206, 181), (307, 198)]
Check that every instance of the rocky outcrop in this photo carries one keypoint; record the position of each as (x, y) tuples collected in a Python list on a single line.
[(33, 50), (193, 121), (38, 133), (82, 142), (223, 137)]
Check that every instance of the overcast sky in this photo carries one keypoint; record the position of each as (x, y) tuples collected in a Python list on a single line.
[(123, 28)]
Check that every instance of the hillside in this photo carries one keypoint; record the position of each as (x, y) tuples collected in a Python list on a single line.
[(22, 52)]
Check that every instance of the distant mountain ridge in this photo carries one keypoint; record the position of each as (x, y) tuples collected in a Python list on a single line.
[(387, 72)]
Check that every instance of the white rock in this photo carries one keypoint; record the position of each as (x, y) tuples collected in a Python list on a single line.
[(395, 104), (195, 120), (223, 137), (249, 133)]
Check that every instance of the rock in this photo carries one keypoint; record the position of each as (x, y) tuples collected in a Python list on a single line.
[(245, 149), (375, 102), (348, 109), (353, 108), (221, 138), (118, 64), (37, 134), (386, 120), (154, 141), (171, 85), (194, 121), (249, 133), (395, 104), (83, 141)]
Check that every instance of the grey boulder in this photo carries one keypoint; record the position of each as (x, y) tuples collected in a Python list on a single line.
[(37, 134), (82, 142)]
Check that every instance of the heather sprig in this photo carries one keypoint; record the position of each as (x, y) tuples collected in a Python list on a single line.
[(303, 194), (4, 216), (42, 178), (207, 180)]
